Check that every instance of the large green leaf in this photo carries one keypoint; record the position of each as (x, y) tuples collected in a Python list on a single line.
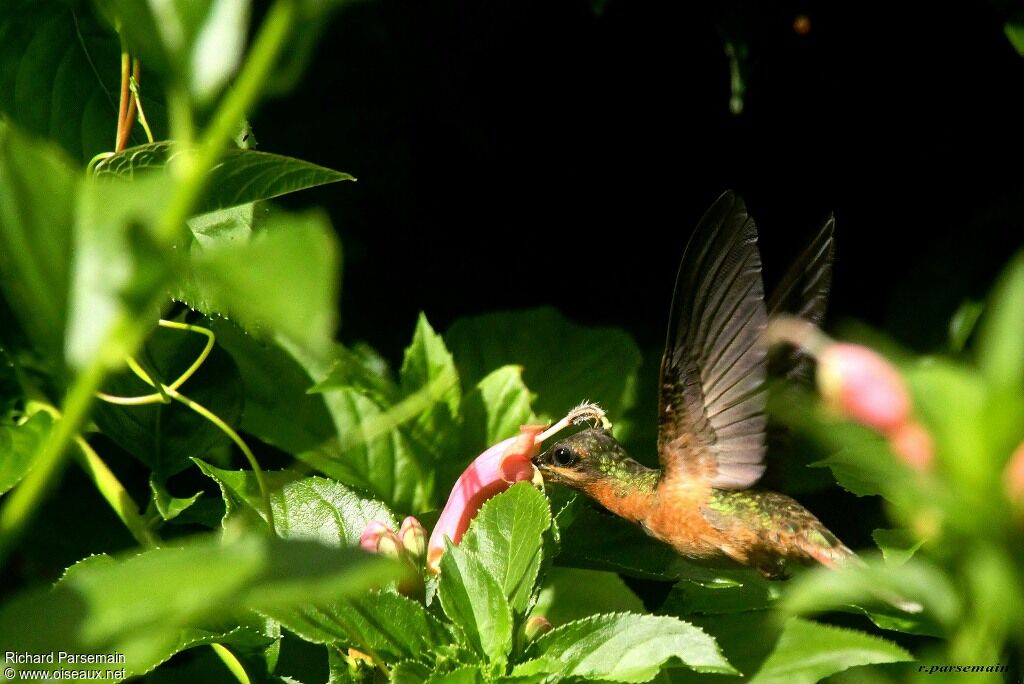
[(60, 76), (506, 536), (166, 436), (121, 264), (622, 647), (37, 197), (571, 364), (139, 605), (304, 507), (284, 281), (808, 652), (241, 177), (18, 444), (428, 367), (495, 409), (474, 600), (375, 455), (387, 624)]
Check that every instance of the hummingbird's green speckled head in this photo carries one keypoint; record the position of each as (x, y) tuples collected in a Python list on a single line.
[(585, 457)]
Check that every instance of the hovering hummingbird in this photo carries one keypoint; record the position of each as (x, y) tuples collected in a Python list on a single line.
[(711, 410)]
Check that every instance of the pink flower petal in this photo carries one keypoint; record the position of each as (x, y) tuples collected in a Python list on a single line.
[(492, 472)]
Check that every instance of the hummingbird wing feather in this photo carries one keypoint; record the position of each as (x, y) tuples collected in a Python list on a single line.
[(803, 292), (711, 408)]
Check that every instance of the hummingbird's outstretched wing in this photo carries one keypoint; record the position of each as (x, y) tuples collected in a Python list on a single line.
[(803, 292), (711, 422)]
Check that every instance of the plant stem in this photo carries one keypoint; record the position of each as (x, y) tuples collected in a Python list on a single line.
[(127, 333), (115, 494), (225, 122), (23, 500), (231, 662), (209, 415)]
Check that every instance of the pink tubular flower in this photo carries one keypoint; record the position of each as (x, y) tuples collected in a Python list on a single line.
[(493, 471), (864, 386)]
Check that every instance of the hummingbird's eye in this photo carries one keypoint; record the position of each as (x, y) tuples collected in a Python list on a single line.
[(563, 457)]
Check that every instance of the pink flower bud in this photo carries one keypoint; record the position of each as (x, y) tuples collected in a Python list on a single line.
[(379, 538), (536, 626), (413, 536), (371, 536), (1013, 476), (913, 445), (493, 471), (862, 385)]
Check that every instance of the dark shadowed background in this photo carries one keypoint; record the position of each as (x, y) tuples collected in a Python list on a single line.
[(512, 154)]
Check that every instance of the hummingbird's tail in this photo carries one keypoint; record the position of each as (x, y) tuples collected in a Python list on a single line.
[(835, 554)]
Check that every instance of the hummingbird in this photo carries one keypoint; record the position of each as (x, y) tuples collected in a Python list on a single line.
[(711, 410)]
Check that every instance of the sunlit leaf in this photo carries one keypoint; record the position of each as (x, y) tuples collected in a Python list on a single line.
[(241, 177), (283, 281), (506, 535), (808, 651), (622, 647), (139, 605), (474, 600)]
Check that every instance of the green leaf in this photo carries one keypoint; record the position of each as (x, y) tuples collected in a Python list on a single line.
[(278, 409), (139, 605), (304, 507), (506, 537), (495, 409), (18, 444), (706, 598), (375, 456), (808, 652), (623, 647), (468, 674), (963, 323), (880, 589), (233, 225), (241, 177), (427, 367), (1014, 30), (474, 600), (897, 546), (283, 281), (1000, 347), (598, 364), (169, 507), (359, 368), (60, 77), (198, 43), (120, 266), (387, 624), (37, 196), (570, 594), (166, 436)]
